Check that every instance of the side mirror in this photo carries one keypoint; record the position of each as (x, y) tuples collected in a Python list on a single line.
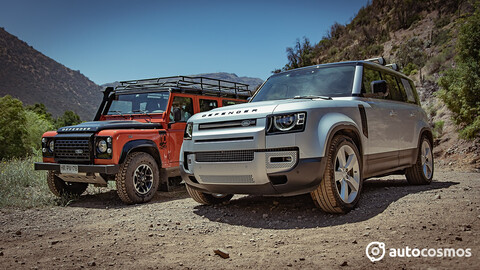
[(379, 87)]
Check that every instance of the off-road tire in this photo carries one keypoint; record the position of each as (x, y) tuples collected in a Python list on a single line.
[(205, 198), (326, 195), (59, 187), (129, 173), (421, 173)]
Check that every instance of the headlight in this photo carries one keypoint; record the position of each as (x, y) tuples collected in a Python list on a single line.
[(51, 145), (102, 146), (285, 123), (187, 135)]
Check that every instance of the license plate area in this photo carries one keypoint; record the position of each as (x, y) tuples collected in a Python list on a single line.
[(68, 168)]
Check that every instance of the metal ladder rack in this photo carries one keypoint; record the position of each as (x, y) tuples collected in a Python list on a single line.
[(186, 83)]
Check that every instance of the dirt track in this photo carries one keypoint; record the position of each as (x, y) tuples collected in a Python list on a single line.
[(173, 231)]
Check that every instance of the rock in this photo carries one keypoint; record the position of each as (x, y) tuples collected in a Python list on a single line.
[(366, 234), (344, 263), (437, 197), (18, 232), (54, 242), (92, 263), (458, 238), (354, 242), (1, 253), (302, 259), (221, 253), (265, 216), (289, 264)]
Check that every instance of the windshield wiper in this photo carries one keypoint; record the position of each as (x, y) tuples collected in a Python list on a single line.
[(312, 97), (144, 112), (117, 112)]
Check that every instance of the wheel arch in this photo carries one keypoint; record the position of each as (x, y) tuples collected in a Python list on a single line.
[(344, 125), (147, 146)]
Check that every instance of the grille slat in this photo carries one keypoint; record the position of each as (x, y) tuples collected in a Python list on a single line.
[(72, 149), (225, 156)]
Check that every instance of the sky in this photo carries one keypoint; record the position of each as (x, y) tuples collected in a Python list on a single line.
[(119, 40)]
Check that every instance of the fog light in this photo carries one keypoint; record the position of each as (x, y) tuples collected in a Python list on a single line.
[(109, 150)]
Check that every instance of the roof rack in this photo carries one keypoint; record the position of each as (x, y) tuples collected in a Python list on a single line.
[(379, 60), (393, 66), (182, 83)]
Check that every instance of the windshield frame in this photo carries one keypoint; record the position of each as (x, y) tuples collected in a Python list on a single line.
[(351, 64), (137, 110)]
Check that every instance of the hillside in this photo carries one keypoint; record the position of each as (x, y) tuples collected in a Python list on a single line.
[(420, 36), (32, 77)]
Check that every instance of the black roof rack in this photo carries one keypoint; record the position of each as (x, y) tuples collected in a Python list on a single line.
[(204, 85)]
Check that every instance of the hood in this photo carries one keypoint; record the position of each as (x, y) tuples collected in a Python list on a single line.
[(246, 110), (97, 126)]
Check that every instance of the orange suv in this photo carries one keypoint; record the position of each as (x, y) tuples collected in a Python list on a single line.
[(135, 138)]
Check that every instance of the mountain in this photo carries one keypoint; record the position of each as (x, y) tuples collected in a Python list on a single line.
[(252, 82), (32, 77), (421, 37)]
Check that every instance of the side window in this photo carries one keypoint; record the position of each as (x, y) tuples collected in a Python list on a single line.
[(207, 104), (182, 108), (227, 102), (392, 85), (408, 90), (369, 75)]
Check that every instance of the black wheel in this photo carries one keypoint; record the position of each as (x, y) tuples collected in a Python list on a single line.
[(339, 190), (421, 173), (138, 178), (206, 198), (59, 187)]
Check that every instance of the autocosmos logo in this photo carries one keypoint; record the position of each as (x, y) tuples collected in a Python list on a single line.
[(376, 251)]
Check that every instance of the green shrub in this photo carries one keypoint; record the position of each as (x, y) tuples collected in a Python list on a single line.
[(461, 85), (438, 129), (12, 128), (410, 69), (21, 186)]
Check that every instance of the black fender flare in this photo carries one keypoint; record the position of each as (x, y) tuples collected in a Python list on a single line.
[(143, 145)]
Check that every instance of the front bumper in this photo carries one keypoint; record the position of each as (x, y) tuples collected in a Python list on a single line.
[(82, 168), (303, 178)]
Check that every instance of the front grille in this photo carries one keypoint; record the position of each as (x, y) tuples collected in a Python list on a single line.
[(233, 179), (72, 149), (225, 156)]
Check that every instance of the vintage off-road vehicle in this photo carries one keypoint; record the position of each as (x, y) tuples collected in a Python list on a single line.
[(321, 130), (135, 138)]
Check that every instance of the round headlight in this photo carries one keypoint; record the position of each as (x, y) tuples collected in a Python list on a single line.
[(44, 140), (285, 122), (102, 146), (51, 145)]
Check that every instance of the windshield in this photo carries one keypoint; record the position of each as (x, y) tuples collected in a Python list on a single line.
[(333, 81), (139, 103)]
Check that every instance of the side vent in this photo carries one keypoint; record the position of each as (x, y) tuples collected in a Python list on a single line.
[(363, 117)]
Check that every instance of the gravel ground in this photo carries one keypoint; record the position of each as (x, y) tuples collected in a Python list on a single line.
[(174, 232)]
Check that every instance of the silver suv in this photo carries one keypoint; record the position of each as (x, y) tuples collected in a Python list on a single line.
[(321, 130)]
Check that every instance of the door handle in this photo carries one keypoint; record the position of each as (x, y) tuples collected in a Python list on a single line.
[(393, 113)]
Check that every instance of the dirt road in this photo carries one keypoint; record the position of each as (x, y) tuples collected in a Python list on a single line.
[(174, 232)]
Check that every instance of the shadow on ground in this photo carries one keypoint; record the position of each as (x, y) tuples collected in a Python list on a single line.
[(300, 212), (110, 199)]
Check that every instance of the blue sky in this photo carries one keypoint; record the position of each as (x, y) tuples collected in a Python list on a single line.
[(121, 40)]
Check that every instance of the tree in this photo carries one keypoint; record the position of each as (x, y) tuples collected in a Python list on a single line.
[(41, 110), (12, 128), (461, 85), (69, 118), (301, 55)]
